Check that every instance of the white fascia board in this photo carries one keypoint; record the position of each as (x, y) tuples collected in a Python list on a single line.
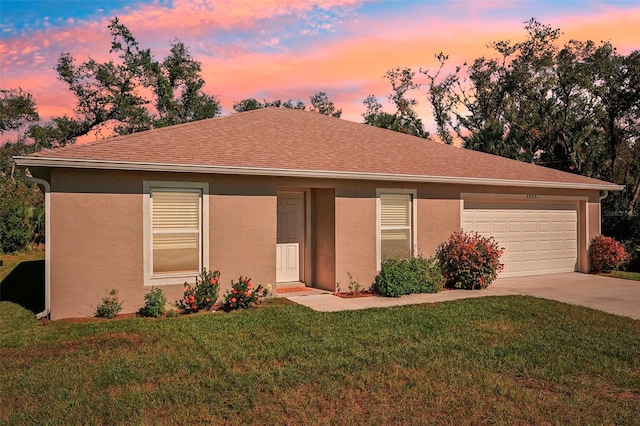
[(324, 174)]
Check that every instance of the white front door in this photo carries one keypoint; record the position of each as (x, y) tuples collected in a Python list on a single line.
[(290, 244)]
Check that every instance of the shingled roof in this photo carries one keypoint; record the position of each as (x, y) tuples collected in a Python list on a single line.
[(288, 142)]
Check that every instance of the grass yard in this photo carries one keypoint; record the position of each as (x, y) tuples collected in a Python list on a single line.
[(625, 275), (502, 360), (22, 278), (10, 261)]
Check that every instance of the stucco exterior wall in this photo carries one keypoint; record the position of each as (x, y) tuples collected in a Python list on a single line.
[(355, 234), (437, 217), (96, 241), (242, 229), (594, 226), (323, 238), (97, 236), (97, 230)]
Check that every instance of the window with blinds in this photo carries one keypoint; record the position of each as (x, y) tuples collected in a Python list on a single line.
[(395, 225), (176, 224)]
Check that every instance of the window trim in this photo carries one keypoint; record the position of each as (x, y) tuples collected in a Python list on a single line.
[(414, 221), (179, 278)]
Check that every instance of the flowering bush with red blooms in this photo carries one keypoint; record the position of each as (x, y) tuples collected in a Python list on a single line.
[(243, 295), (606, 254), (469, 261), (201, 296)]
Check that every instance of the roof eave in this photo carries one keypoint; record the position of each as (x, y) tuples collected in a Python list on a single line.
[(27, 161)]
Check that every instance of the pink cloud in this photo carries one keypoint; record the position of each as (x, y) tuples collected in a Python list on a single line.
[(348, 66)]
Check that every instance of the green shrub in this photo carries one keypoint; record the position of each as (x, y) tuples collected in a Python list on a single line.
[(21, 215), (154, 304), (406, 276), (201, 296), (469, 261), (172, 313), (242, 295), (110, 306), (606, 254)]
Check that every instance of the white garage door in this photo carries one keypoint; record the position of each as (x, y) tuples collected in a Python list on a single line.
[(539, 238)]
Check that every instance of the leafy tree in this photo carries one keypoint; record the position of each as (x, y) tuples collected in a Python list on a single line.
[(132, 93), (250, 104), (17, 108), (374, 114), (405, 119), (21, 215), (574, 107), (116, 93), (442, 99), (21, 203), (320, 103)]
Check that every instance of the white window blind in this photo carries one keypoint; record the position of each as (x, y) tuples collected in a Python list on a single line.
[(395, 225), (176, 230)]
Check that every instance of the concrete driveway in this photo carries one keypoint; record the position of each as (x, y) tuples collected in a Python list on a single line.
[(616, 296), (613, 295)]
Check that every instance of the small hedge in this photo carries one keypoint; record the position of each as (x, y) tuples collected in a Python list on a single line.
[(406, 276)]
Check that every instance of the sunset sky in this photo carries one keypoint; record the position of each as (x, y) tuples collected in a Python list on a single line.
[(289, 49)]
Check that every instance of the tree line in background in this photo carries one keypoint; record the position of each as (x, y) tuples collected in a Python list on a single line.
[(573, 107)]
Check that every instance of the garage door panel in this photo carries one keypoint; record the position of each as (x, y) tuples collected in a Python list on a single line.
[(483, 226), (557, 245), (544, 226), (544, 245), (530, 266), (538, 237), (530, 226), (499, 227), (515, 226), (544, 264), (514, 246), (558, 263)]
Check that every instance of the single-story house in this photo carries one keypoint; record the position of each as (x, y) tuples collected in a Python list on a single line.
[(283, 196)]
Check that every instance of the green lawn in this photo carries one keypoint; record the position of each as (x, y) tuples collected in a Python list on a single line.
[(504, 360), (22, 279), (635, 276), (10, 261)]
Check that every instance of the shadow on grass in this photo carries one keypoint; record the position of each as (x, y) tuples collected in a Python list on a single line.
[(25, 286)]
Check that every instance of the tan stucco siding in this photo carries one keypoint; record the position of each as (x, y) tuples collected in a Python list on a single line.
[(355, 235), (323, 239), (594, 228), (242, 238), (594, 219), (97, 236), (438, 215), (96, 242)]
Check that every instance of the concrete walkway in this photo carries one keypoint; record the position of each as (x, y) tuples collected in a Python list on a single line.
[(616, 296)]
